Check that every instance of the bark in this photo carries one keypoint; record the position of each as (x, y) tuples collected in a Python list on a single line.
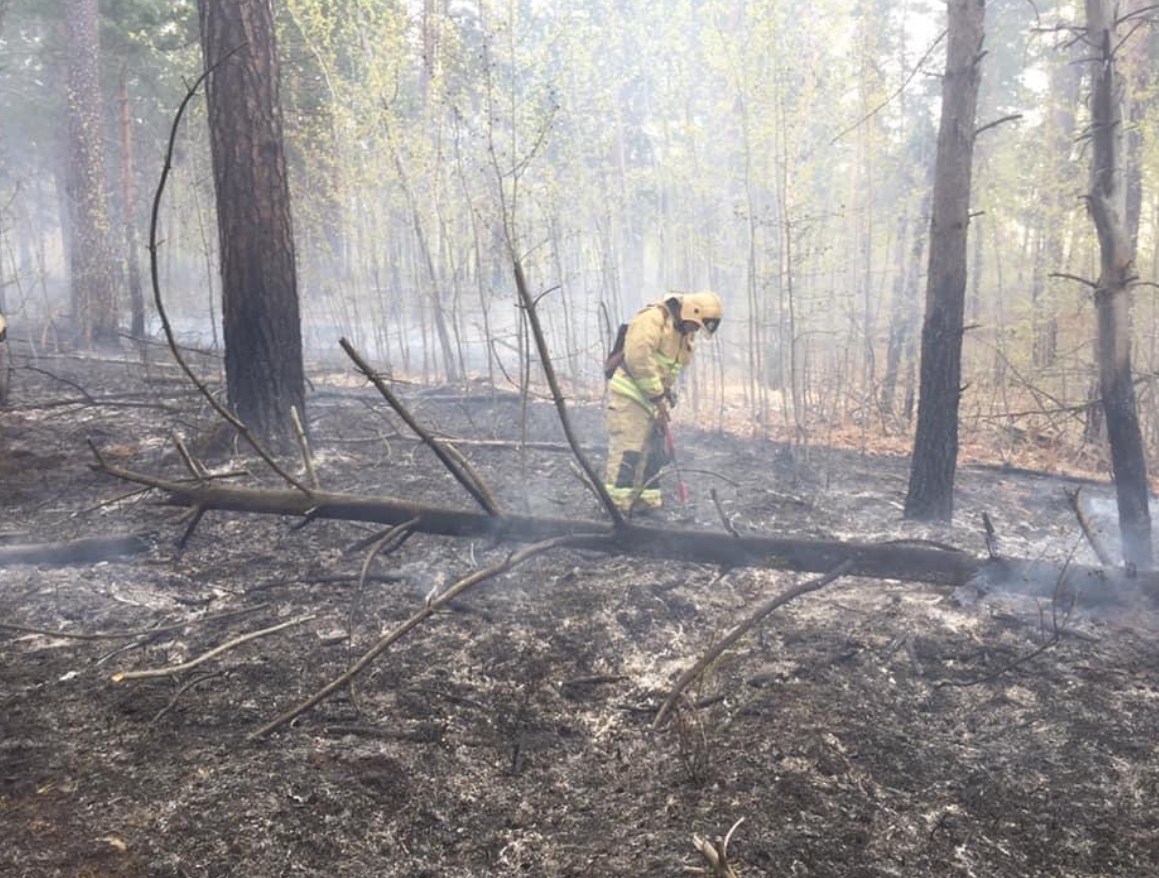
[(261, 323), (935, 459), (1107, 204), (91, 261), (129, 197)]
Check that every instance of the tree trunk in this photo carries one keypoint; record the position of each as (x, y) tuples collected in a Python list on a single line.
[(91, 263), (891, 560), (935, 458), (262, 328), (903, 309), (129, 196), (1107, 204)]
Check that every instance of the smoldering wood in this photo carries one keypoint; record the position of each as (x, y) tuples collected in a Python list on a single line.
[(898, 560)]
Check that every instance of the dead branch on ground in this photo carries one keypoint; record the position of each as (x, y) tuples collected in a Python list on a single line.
[(432, 604), (741, 630), (901, 561), (172, 670), (716, 853), (128, 635)]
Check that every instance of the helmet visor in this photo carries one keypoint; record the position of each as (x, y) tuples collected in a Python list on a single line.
[(711, 324)]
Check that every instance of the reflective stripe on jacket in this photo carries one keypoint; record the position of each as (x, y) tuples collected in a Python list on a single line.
[(655, 351)]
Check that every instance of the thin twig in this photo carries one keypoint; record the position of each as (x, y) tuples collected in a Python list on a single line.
[(126, 635), (393, 636), (154, 274), (195, 467), (740, 630), (1055, 637), (397, 535), (885, 103), (170, 671), (196, 681), (724, 519), (304, 447)]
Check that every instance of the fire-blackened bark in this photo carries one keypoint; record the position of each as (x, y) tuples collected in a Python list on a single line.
[(91, 262), (263, 335), (1107, 204), (935, 457)]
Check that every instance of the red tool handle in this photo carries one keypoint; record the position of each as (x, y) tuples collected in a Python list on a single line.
[(681, 488)]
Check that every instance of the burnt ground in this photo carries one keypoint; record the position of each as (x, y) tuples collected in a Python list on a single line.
[(868, 729)]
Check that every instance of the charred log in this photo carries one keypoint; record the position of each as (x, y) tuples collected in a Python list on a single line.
[(902, 561)]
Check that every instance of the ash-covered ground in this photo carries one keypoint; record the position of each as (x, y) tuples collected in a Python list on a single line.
[(871, 728)]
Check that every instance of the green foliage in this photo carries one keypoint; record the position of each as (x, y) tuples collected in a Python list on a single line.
[(777, 152)]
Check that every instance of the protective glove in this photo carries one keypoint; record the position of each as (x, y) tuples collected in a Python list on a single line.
[(670, 397)]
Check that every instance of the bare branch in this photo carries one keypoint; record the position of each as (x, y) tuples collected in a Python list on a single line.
[(428, 609), (465, 478), (166, 326), (172, 670), (740, 630)]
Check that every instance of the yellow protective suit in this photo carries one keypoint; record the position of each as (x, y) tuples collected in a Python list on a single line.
[(655, 350)]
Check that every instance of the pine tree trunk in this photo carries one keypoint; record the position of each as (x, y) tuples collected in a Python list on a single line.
[(935, 459), (1107, 204), (261, 323), (91, 261)]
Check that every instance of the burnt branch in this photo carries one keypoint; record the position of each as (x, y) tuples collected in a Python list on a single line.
[(463, 475), (529, 305), (429, 608), (1094, 539), (129, 635), (173, 670), (740, 631), (155, 278)]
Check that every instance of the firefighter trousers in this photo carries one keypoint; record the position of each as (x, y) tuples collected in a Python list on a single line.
[(636, 455)]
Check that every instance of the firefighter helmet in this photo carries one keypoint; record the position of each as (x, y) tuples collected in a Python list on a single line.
[(703, 309)]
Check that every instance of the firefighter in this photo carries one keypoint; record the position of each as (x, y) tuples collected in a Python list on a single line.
[(658, 344)]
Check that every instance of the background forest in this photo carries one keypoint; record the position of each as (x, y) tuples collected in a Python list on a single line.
[(623, 149)]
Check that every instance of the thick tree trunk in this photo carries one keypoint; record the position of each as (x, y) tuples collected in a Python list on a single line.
[(91, 261), (935, 459), (263, 336), (1107, 203)]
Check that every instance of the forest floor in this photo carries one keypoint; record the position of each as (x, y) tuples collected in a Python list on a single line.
[(872, 728)]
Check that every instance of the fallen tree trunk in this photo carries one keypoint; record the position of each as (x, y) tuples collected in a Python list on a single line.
[(904, 561)]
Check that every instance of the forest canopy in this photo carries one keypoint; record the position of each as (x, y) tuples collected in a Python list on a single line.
[(621, 151)]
